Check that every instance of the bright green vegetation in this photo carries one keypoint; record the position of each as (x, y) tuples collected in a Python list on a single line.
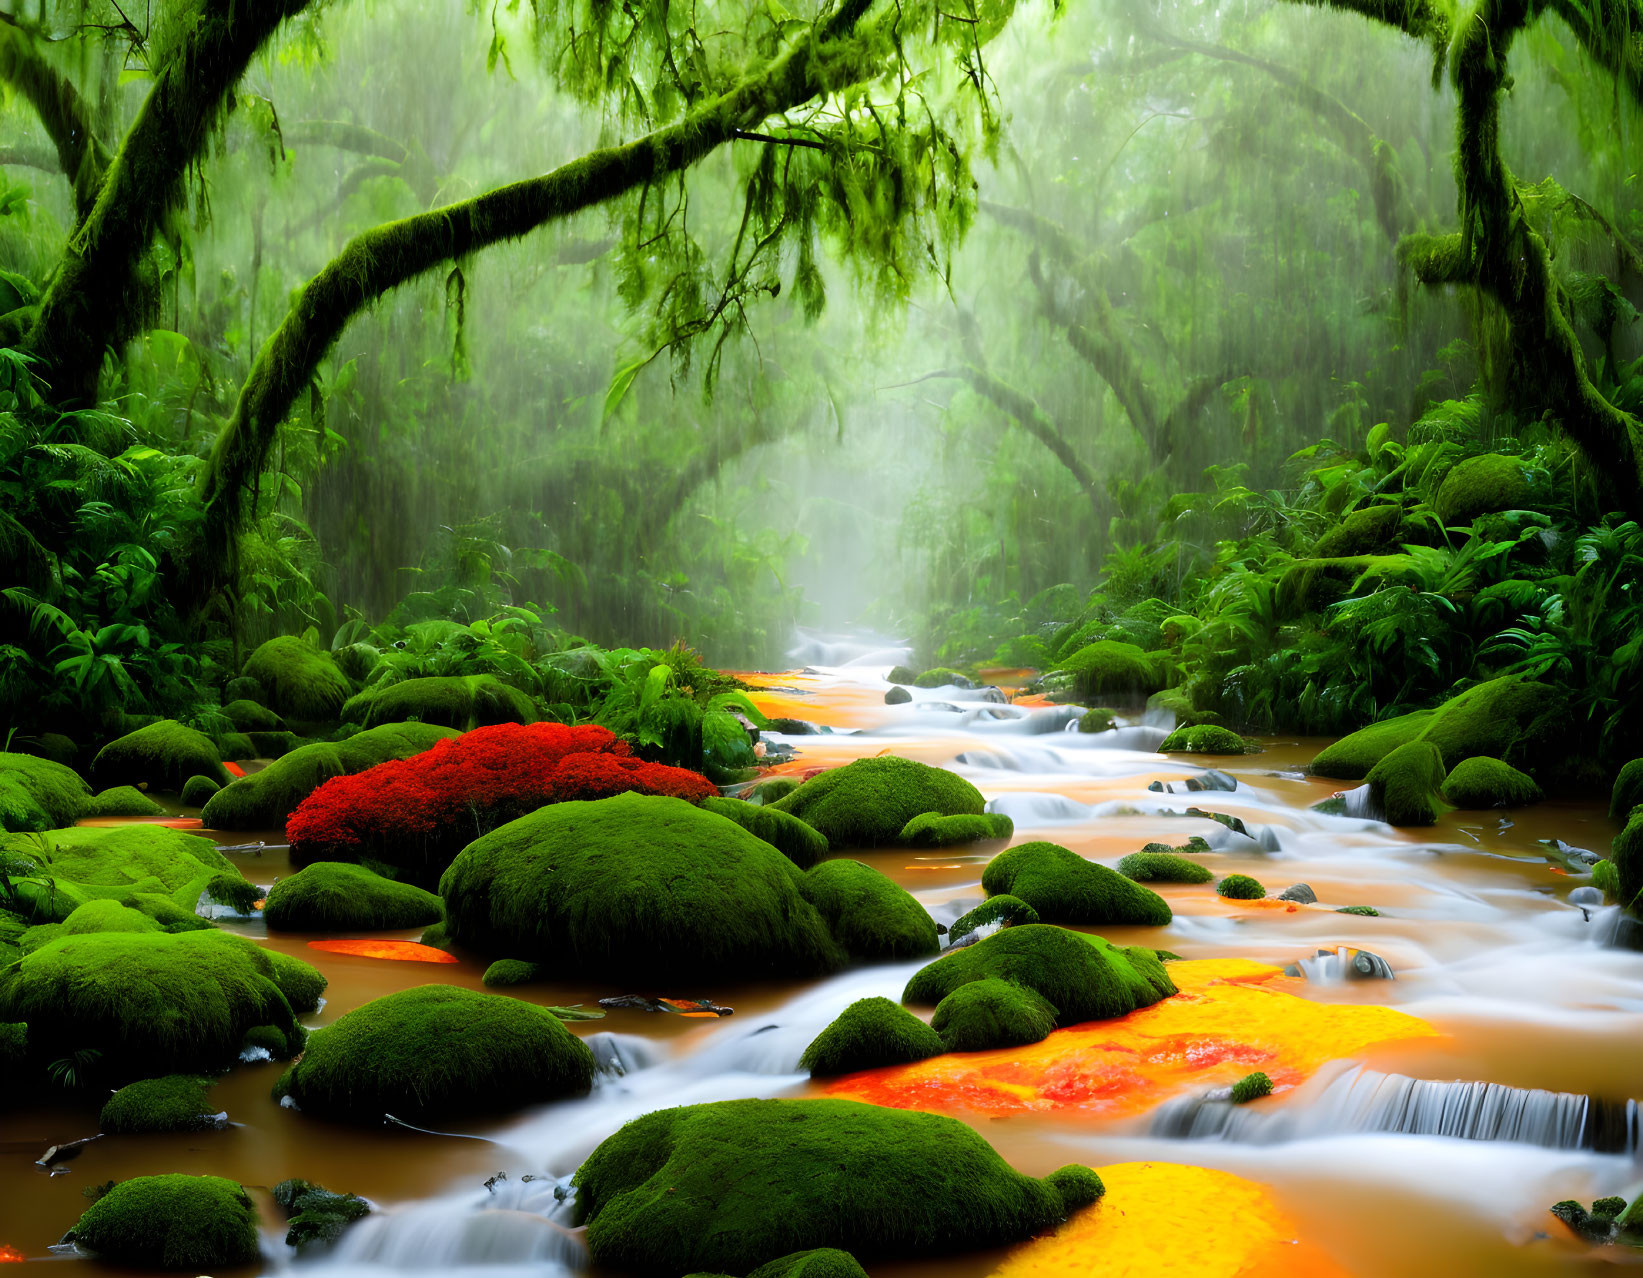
[(171, 1222), (162, 755), (799, 843), (1627, 792), (1163, 867), (176, 1103), (462, 702), (334, 897), (1084, 978), (1406, 786), (870, 1034), (1480, 782), (1482, 485), (1109, 667), (1005, 909), (1240, 887), (872, 916), (1101, 720), (933, 830), (263, 800), (818, 1262), (197, 791), (37, 794), (755, 1180), (1627, 857), (1251, 1087), (1065, 888), (315, 1214), (940, 677), (152, 1003), (981, 1015), (1363, 911), (437, 1051), (505, 972), (1205, 739), (299, 682), (635, 885), (869, 802), (121, 800)]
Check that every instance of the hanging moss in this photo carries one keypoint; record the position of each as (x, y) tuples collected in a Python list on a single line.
[(1481, 782), (122, 801), (463, 702), (795, 840), (176, 1103), (301, 682), (869, 802), (932, 830), (870, 1034), (335, 897), (1065, 888), (1205, 739), (37, 794), (1005, 909), (1407, 785), (873, 917), (991, 1013), (171, 1222), (162, 755)]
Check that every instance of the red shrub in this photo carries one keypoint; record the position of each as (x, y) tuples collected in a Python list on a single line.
[(418, 813)]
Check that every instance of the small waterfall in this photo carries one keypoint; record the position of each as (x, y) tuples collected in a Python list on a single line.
[(1031, 809), (1018, 758), (1363, 1100), (449, 1234)]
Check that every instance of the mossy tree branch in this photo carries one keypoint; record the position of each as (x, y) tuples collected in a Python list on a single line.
[(63, 114)]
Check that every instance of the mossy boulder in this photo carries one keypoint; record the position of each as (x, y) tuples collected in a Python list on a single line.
[(991, 1013), (771, 789), (869, 802), (263, 800), (248, 716), (315, 1214), (1085, 978), (197, 791), (121, 801), (1407, 785), (463, 702), (1205, 738), (870, 1034), (49, 745), (1111, 666), (1361, 532), (1178, 702), (633, 886), (299, 681), (798, 842), (932, 830), (1240, 887), (1627, 792), (1065, 888), (155, 1003), (943, 677), (1606, 879), (819, 1262), (175, 1103), (1098, 720), (163, 755), (901, 674), (1627, 855), (331, 896), (37, 794), (1007, 910), (505, 972), (897, 696), (1251, 1087), (731, 1185), (1314, 584), (1482, 485), (871, 915), (171, 1222), (1163, 867), (437, 1051), (1481, 782)]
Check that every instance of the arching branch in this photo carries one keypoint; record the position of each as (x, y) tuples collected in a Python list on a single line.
[(63, 114)]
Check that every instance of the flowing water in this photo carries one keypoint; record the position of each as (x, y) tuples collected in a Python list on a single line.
[(1431, 1155)]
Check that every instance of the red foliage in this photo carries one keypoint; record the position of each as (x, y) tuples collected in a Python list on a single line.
[(419, 812)]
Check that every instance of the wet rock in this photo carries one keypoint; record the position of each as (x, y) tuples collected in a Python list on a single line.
[(1365, 966), (316, 1214), (645, 1003), (995, 696), (1628, 934), (1586, 896), (1301, 892)]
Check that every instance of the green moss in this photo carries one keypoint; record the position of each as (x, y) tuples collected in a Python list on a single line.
[(635, 885), (932, 830), (1251, 1087), (37, 794), (1481, 782), (1480, 485), (271, 745), (14, 1047), (335, 897), (1065, 888), (1608, 1208), (49, 745), (872, 916), (870, 1034), (1406, 786), (734, 1184), (315, 1214), (1630, 1221), (1627, 792), (176, 1103), (299, 681), (869, 802), (248, 716), (1078, 1186), (437, 1051), (1606, 879), (1010, 910), (1085, 978), (1368, 531), (197, 791), (1240, 887), (1205, 739), (769, 791), (236, 746), (1313, 584), (153, 1002), (243, 689), (901, 674), (1163, 867), (263, 800), (941, 677), (122, 801), (127, 860), (1627, 857), (1350, 758), (463, 702), (162, 755), (171, 1222), (506, 972), (436, 936), (1364, 911), (982, 1015), (819, 1262), (1109, 666), (1178, 702), (1098, 720), (795, 840)]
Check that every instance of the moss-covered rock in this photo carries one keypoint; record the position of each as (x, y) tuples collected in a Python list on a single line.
[(897, 696), (869, 802), (872, 916), (901, 674), (1314, 584), (1362, 911), (505, 972), (1110, 666), (463, 702), (1627, 856), (175, 1103), (263, 800), (870, 1034), (1606, 879), (1205, 739), (798, 842), (1481, 485), (171, 1222), (1368, 531), (932, 830), (1251, 1087), (331, 896), (155, 1003), (942, 677), (1065, 888), (1240, 887), (1163, 867), (315, 1214), (1098, 720), (299, 682), (1481, 782), (437, 1051), (121, 801), (1085, 978), (248, 716), (236, 746), (771, 789), (1627, 792), (197, 791), (731, 1185), (819, 1262), (271, 745), (163, 755), (37, 794), (1178, 702), (49, 745), (632, 886), (1407, 785), (991, 1013), (1350, 758), (1007, 910)]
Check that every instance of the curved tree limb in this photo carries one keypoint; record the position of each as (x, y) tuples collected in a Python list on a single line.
[(63, 114)]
